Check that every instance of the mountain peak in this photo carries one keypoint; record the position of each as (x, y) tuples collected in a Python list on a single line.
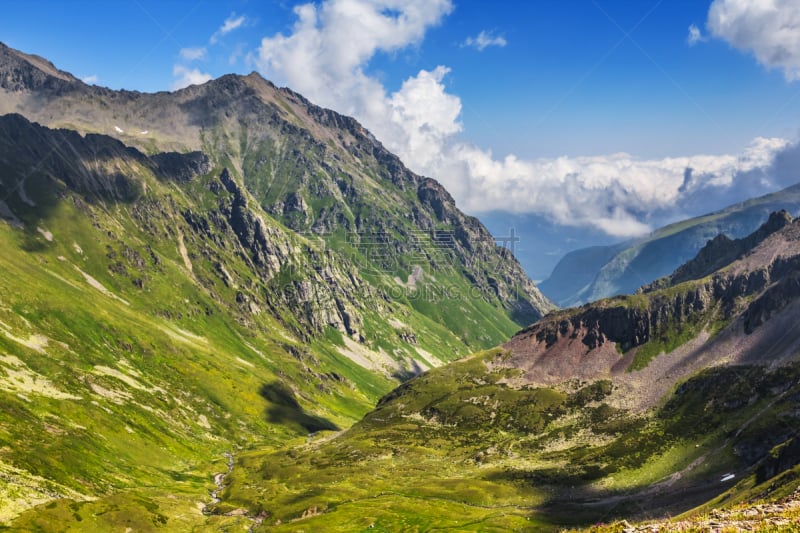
[(20, 71), (312, 168)]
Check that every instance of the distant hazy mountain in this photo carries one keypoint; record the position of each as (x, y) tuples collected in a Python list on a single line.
[(597, 272), (539, 243)]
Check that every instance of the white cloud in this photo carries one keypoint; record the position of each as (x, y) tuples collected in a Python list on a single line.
[(695, 35), (618, 194), (91, 80), (484, 40), (770, 29), (325, 56), (186, 76), (193, 54), (231, 23)]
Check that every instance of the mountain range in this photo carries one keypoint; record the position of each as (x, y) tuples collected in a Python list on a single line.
[(189, 272), (227, 308)]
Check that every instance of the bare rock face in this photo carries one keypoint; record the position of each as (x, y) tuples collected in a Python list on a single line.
[(319, 290), (494, 269), (23, 72), (773, 301), (433, 195), (182, 167)]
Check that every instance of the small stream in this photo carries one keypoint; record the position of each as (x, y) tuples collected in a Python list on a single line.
[(219, 482)]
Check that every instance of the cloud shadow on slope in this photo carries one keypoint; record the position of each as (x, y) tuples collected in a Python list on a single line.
[(284, 409)]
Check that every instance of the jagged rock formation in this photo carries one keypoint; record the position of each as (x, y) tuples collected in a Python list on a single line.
[(721, 251)]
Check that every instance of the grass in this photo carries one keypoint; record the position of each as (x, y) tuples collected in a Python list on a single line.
[(144, 339), (125, 430), (129, 367), (668, 339), (425, 450)]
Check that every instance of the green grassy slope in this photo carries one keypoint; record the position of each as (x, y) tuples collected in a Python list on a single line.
[(153, 317), (481, 443), (121, 371), (457, 449)]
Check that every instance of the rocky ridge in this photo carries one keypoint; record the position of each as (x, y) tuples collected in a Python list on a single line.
[(314, 170), (721, 251), (326, 292), (700, 315)]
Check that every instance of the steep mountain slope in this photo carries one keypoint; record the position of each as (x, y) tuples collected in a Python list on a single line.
[(140, 337), (685, 395), (314, 170), (601, 271), (197, 273)]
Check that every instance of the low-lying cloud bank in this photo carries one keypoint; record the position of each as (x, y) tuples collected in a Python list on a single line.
[(325, 57)]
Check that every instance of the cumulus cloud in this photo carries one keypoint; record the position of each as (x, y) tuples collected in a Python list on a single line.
[(91, 80), (484, 40), (695, 35), (770, 29), (618, 194), (193, 54), (231, 23), (325, 56), (186, 76)]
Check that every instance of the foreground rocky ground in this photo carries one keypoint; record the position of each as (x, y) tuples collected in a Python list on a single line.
[(780, 516)]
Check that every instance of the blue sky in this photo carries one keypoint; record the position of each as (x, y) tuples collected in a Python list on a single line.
[(585, 112)]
